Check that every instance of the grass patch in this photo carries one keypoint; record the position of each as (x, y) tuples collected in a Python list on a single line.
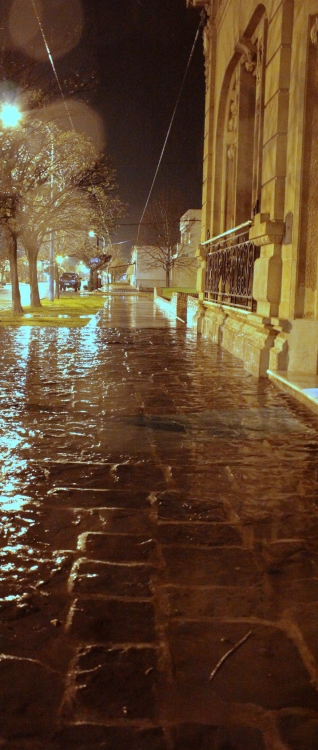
[(70, 312), (168, 291)]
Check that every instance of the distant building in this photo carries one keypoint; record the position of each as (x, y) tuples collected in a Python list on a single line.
[(140, 275), (185, 274), (258, 279)]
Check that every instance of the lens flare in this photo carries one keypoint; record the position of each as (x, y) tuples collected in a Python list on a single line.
[(84, 119), (62, 23)]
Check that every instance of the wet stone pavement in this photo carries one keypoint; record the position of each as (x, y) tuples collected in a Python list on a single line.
[(159, 564)]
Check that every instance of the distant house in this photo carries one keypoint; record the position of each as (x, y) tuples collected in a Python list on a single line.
[(142, 277), (185, 274), (145, 272)]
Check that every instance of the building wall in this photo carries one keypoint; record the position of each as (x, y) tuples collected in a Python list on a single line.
[(144, 277), (190, 234), (260, 164)]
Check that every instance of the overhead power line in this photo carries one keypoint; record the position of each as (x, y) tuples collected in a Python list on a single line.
[(50, 56), (172, 118)]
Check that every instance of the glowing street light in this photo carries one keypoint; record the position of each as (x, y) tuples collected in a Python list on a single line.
[(10, 115)]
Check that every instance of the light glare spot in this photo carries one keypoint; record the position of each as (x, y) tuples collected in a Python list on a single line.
[(10, 115)]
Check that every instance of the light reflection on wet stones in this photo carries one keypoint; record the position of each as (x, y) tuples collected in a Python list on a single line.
[(170, 503)]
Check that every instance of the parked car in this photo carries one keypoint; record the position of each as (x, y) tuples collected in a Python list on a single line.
[(69, 280)]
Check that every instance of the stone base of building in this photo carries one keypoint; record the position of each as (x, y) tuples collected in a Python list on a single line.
[(246, 335)]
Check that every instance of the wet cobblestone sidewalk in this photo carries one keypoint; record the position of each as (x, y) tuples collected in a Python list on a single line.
[(159, 513)]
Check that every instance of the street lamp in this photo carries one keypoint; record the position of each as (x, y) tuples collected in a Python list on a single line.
[(10, 115)]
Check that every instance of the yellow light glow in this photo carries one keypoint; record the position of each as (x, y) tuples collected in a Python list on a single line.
[(10, 115)]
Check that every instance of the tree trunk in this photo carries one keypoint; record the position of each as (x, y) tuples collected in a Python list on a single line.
[(17, 308), (167, 276), (92, 284), (34, 287), (57, 281)]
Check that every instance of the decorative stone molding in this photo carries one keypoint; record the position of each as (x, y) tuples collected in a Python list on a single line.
[(314, 32), (231, 152), (249, 53), (207, 38), (267, 232), (259, 62)]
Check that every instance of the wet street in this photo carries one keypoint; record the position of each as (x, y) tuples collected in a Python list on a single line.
[(159, 562)]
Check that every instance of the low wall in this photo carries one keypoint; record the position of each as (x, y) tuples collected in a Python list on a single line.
[(181, 305)]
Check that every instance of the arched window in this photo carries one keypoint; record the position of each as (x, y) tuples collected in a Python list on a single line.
[(240, 132)]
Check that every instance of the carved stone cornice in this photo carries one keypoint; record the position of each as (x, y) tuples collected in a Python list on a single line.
[(207, 39), (266, 232)]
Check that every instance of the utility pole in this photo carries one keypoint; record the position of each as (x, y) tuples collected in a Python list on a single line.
[(52, 261)]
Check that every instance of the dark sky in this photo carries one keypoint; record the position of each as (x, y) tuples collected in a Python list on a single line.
[(140, 49)]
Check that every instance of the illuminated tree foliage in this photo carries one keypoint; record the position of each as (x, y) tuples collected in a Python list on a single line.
[(78, 194), (59, 183)]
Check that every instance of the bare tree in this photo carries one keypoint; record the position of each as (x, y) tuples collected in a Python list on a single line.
[(159, 235)]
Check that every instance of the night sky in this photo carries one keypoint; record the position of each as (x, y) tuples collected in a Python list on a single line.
[(140, 49), (137, 52)]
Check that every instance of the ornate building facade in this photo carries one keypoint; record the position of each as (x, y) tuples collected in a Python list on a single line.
[(258, 257)]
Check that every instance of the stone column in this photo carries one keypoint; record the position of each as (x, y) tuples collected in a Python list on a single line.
[(268, 235), (200, 254)]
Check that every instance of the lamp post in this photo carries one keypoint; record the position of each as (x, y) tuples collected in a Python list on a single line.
[(52, 262)]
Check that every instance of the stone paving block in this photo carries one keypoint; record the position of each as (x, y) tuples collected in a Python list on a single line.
[(265, 670), (32, 627), (214, 567), (179, 506), (296, 525), (30, 695), (219, 601), (60, 526), (300, 592), (144, 474), (299, 732), (98, 737), (112, 579), (117, 547), (128, 521), (203, 737), (147, 475), (113, 683), (206, 534), (81, 497), (212, 481), (306, 617), (290, 559), (100, 621)]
